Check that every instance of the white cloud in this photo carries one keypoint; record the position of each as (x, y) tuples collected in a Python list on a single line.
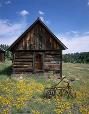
[(2, 3), (9, 32), (72, 33), (42, 18), (41, 12), (8, 2), (86, 33), (23, 13), (48, 22), (76, 43), (88, 3)]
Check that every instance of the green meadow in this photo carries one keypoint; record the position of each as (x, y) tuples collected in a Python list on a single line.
[(23, 93)]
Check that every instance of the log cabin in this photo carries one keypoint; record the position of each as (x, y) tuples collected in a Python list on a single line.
[(37, 50), (2, 55)]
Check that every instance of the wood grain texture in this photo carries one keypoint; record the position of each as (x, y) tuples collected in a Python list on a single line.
[(37, 51)]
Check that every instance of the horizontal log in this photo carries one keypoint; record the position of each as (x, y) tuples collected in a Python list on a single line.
[(23, 52), (52, 66), (23, 60), (51, 59), (51, 69), (24, 57), (53, 56), (23, 63), (52, 62), (22, 66), (55, 62), (22, 69), (17, 71), (53, 53)]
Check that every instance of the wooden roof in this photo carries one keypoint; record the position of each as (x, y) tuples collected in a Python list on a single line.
[(37, 21)]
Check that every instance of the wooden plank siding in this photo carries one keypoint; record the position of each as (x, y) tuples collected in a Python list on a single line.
[(52, 61), (25, 61), (37, 39)]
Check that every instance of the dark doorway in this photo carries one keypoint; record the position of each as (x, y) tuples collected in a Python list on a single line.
[(38, 62)]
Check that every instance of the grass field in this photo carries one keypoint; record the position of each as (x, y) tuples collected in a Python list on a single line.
[(25, 95)]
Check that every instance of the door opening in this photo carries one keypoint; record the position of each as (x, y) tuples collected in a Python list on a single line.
[(38, 62)]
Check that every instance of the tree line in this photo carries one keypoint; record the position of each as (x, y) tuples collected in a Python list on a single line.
[(7, 52), (82, 57)]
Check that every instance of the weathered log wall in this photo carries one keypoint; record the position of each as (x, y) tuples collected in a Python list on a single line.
[(52, 61), (25, 61), (37, 40)]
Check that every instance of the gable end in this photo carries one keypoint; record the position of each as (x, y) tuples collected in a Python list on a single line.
[(39, 22)]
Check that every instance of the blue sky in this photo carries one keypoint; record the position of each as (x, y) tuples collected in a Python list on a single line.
[(68, 20)]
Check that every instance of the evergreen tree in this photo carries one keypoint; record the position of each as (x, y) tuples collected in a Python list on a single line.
[(82, 57), (7, 52)]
